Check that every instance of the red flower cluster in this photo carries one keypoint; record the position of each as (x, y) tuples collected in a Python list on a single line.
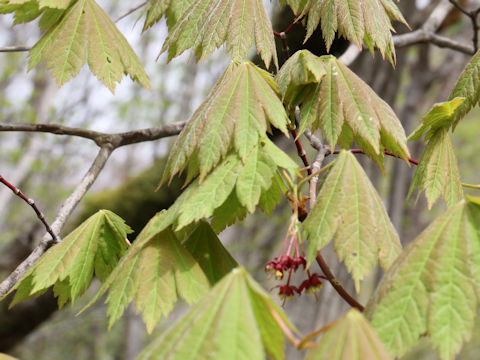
[(285, 263), (311, 285)]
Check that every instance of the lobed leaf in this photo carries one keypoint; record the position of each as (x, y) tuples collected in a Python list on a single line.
[(467, 86), (207, 25), (235, 114), (349, 338), (236, 320), (437, 172), (429, 290), (153, 271), (349, 210), (94, 247), (84, 33), (172, 9)]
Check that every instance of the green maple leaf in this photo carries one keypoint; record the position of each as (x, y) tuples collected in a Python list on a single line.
[(437, 171), (172, 9), (236, 319), (93, 247), (349, 338), (207, 25), (366, 21), (432, 288), (349, 210), (84, 33), (211, 255), (58, 4), (151, 273), (237, 113), (333, 97), (467, 86)]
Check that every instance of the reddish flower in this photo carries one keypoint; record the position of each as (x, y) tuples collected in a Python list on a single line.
[(286, 291)]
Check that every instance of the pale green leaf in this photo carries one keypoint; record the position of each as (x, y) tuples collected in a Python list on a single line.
[(209, 252), (85, 33), (229, 213), (467, 86), (271, 197), (440, 115), (224, 324), (58, 4), (235, 114), (207, 25), (172, 9), (437, 172), (349, 338), (94, 247), (152, 272), (349, 210), (429, 290)]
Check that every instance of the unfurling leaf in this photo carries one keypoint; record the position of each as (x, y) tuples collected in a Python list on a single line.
[(432, 288), (467, 86), (236, 114), (339, 103), (235, 320), (152, 272), (366, 21), (84, 33), (349, 210), (206, 25), (349, 338), (94, 247), (437, 171)]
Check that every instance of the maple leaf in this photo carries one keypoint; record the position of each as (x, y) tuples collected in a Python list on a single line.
[(207, 25), (467, 86), (84, 33), (366, 21), (349, 210), (93, 247), (349, 338), (172, 9), (433, 287), (236, 319), (237, 113), (339, 103), (151, 273)]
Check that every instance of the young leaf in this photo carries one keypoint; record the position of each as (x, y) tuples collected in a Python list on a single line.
[(235, 114), (342, 98), (152, 272), (235, 320), (437, 171), (85, 33), (349, 338), (430, 290), (467, 86), (349, 209), (441, 115), (172, 9), (207, 24), (94, 247), (358, 21), (211, 255), (229, 213)]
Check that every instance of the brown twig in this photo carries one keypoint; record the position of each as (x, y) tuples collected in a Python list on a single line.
[(473, 16), (30, 202)]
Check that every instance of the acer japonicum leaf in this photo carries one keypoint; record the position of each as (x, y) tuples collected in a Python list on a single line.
[(349, 210), (84, 33), (153, 273), (27, 11), (172, 9), (437, 172), (467, 86), (237, 113), (235, 320), (349, 338), (362, 22), (247, 180), (344, 107), (432, 289), (206, 25), (93, 247)]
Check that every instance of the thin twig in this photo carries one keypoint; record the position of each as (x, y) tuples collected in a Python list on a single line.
[(64, 213), (473, 16), (30, 202), (316, 166), (132, 10)]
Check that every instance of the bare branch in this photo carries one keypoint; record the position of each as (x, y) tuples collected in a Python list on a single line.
[(100, 138), (19, 48), (132, 10), (65, 211), (473, 16)]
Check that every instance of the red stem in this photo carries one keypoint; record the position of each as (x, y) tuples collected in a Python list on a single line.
[(386, 152), (30, 202)]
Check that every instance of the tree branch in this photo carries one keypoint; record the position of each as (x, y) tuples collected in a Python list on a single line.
[(130, 11), (473, 16), (65, 211)]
